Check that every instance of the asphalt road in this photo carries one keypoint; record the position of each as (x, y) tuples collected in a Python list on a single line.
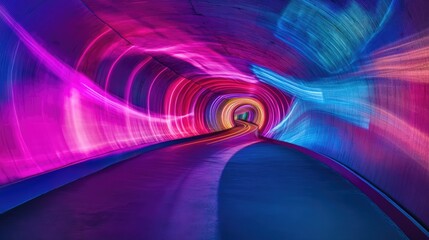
[(231, 185)]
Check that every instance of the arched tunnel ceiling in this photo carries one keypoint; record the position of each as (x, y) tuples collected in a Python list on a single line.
[(222, 37), (347, 79)]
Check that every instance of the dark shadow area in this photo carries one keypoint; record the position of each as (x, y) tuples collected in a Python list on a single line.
[(268, 191)]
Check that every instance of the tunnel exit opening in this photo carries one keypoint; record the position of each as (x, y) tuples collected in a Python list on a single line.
[(248, 109), (245, 113)]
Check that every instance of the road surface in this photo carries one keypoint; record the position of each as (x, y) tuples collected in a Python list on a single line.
[(231, 185)]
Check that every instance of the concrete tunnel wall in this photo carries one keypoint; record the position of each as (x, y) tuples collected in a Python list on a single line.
[(348, 80)]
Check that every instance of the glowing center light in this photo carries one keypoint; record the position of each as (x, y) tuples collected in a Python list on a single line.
[(231, 107)]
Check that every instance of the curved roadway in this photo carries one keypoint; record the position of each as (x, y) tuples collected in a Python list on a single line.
[(231, 185)]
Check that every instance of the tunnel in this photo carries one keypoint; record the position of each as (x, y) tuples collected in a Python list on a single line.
[(214, 119)]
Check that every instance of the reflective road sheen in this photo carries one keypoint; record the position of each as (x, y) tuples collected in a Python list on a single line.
[(231, 185)]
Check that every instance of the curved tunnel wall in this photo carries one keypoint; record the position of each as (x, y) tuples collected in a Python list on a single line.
[(348, 80)]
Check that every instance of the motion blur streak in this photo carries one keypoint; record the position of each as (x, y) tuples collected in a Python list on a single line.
[(404, 60), (331, 37), (348, 79)]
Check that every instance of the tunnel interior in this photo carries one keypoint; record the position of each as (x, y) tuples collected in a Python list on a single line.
[(246, 113), (348, 80)]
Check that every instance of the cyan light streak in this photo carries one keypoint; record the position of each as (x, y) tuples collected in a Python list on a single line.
[(347, 100), (329, 37), (76, 83), (290, 85)]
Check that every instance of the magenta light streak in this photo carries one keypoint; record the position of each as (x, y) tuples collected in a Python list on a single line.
[(82, 78), (79, 114), (83, 119)]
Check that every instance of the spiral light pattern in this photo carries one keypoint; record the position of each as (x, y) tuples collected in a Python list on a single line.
[(347, 79)]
